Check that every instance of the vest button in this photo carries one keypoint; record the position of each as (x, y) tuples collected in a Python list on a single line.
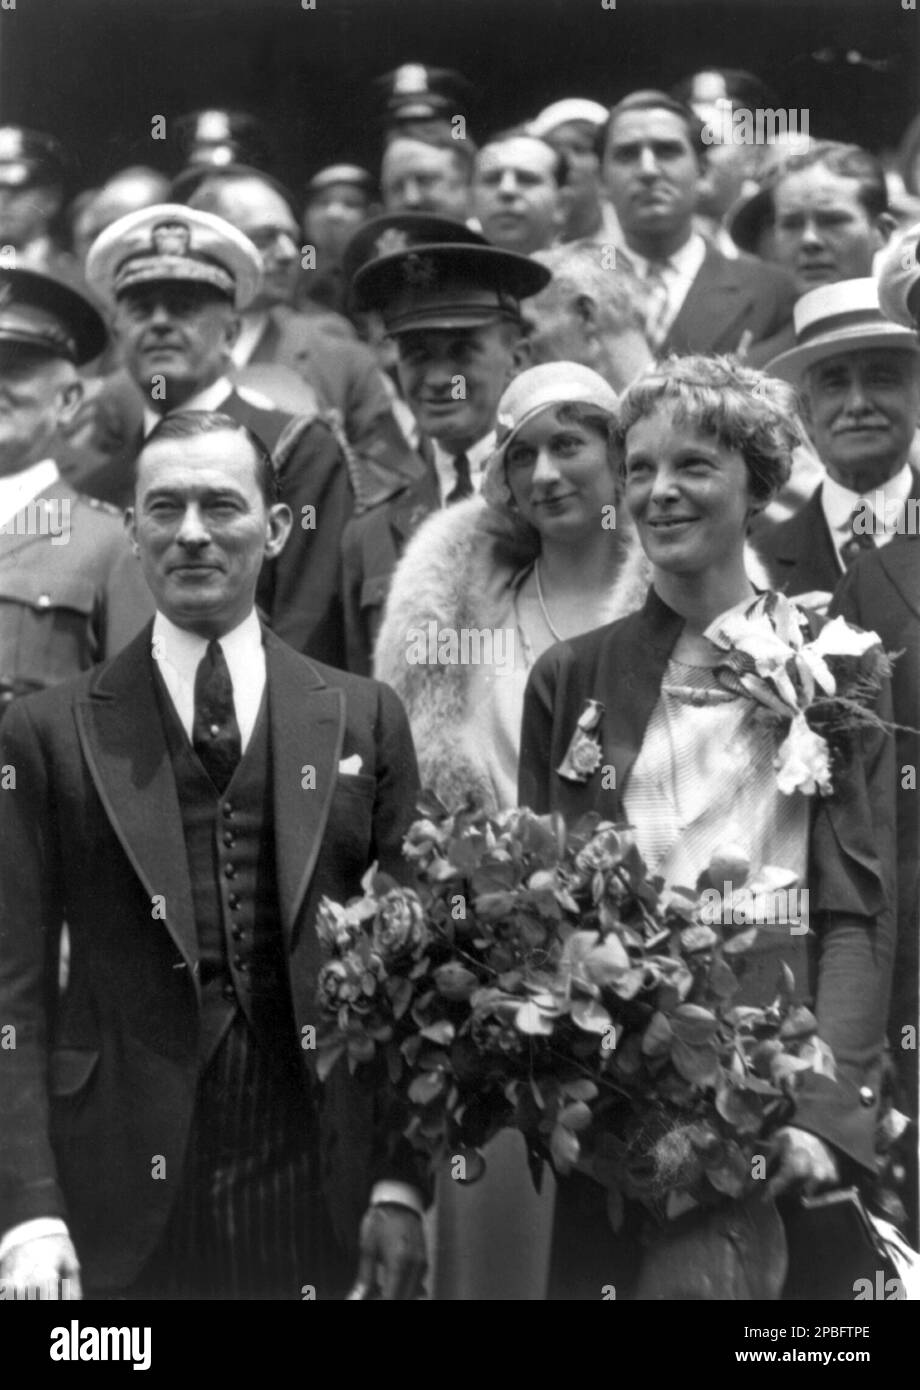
[(228, 992), (227, 810), (229, 838), (229, 871), (237, 933), (866, 1096), (241, 962), (214, 730), (234, 901)]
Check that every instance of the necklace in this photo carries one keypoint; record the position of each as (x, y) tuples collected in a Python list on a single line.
[(546, 618)]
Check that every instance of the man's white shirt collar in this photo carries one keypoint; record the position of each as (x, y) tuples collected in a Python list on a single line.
[(210, 398), (19, 489), (477, 454), (179, 653), (682, 264), (839, 503)]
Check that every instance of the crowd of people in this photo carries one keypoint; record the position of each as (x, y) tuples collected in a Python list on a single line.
[(588, 387)]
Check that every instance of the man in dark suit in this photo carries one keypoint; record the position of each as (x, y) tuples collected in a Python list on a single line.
[(859, 377), (184, 808), (177, 281), (452, 304), (697, 300)]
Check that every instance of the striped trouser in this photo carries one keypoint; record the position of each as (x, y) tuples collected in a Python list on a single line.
[(249, 1221)]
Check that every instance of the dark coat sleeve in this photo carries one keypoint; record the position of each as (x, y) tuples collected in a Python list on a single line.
[(302, 590), (535, 765), (30, 918), (852, 890)]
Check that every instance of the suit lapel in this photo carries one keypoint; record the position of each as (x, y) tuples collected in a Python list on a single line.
[(900, 560), (307, 732), (122, 736), (714, 301), (805, 545)]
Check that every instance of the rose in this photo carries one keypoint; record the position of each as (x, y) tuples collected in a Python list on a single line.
[(399, 927), (602, 853), (336, 985), (492, 1026), (334, 928), (803, 761)]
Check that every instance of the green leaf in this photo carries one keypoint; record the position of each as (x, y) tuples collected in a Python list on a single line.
[(564, 1148), (699, 1065), (739, 1108), (576, 1116), (693, 1024), (427, 1087), (400, 992), (441, 1032), (817, 1052), (580, 1089), (799, 1023), (722, 979), (741, 942), (656, 1040), (590, 1016)]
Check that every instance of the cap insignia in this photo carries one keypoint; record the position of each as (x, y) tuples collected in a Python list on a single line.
[(171, 238), (391, 241), (420, 271), (410, 79)]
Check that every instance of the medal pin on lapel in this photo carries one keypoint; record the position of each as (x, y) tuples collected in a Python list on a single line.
[(583, 755)]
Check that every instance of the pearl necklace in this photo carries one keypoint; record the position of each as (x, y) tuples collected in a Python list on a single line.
[(557, 636)]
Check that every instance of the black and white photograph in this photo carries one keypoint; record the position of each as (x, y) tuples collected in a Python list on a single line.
[(459, 662)]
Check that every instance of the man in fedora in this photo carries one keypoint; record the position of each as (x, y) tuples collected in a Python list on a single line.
[(859, 378), (70, 594), (177, 281), (452, 304)]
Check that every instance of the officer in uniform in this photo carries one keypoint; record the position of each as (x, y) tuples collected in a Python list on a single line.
[(451, 302), (70, 591)]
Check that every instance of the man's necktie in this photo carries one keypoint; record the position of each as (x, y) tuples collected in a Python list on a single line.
[(463, 487), (215, 732), (858, 542), (657, 304)]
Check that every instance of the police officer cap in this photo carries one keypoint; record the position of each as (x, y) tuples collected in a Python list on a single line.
[(29, 157), (39, 312), (432, 272), (415, 92)]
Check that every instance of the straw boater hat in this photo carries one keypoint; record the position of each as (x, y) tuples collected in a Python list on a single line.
[(834, 319)]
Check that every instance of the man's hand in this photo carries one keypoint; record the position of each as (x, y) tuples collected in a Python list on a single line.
[(805, 1162), (393, 1259), (48, 1264)]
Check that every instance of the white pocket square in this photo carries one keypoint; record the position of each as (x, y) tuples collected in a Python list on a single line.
[(351, 766)]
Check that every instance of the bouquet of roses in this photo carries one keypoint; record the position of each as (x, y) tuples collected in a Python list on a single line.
[(537, 978), (819, 688)]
